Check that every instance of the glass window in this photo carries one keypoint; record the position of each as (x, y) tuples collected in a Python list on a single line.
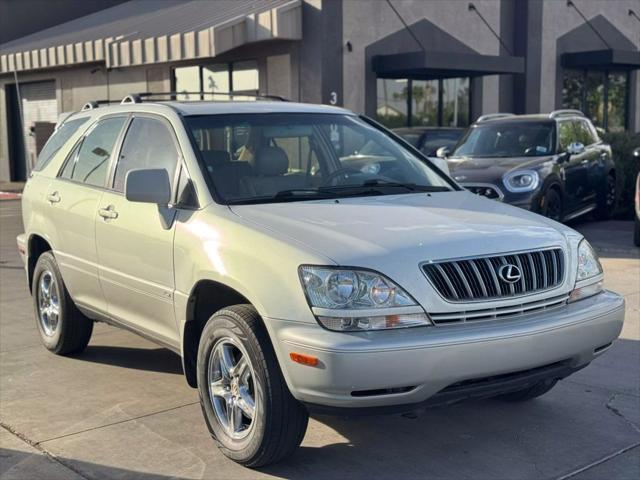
[(215, 79), (455, 102), (392, 102), (187, 79), (290, 157), (148, 144), (57, 140), (617, 107), (90, 164), (601, 95), (566, 134), (584, 134), (424, 102), (244, 77), (594, 97), (508, 139)]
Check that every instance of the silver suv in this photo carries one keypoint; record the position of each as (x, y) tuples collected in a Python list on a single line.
[(301, 258)]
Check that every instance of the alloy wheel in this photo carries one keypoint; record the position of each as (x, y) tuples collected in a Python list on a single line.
[(48, 303), (232, 388)]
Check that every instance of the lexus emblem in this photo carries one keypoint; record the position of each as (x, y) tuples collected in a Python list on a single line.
[(509, 273)]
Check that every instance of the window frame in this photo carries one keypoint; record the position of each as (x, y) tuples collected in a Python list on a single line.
[(583, 73), (229, 66), (75, 150), (180, 162), (440, 102)]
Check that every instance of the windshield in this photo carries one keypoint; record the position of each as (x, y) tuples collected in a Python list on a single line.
[(521, 139), (254, 158), (434, 139)]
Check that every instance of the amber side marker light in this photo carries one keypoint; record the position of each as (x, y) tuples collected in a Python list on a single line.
[(304, 359)]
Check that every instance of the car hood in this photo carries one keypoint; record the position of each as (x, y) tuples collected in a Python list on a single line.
[(406, 229), (487, 170)]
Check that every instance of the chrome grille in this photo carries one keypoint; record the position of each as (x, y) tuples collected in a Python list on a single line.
[(507, 312), (479, 278)]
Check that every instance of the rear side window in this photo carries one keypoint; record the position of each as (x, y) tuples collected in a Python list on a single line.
[(585, 133), (57, 141), (148, 144), (89, 165)]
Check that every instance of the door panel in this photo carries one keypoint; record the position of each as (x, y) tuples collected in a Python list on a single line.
[(135, 256), (72, 208)]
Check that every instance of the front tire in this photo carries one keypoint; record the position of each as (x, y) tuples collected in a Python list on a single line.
[(247, 406), (64, 330), (551, 205)]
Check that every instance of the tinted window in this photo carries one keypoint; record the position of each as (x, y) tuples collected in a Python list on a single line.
[(508, 139), (148, 144), (434, 139), (57, 140), (584, 133), (90, 163)]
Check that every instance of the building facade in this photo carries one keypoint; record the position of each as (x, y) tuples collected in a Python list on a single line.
[(404, 62)]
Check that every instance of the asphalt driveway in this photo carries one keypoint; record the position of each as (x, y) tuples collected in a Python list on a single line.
[(122, 409)]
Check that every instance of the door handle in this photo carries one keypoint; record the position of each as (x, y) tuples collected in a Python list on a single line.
[(108, 213), (53, 197), (584, 162)]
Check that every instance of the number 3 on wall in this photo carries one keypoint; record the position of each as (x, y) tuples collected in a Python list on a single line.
[(333, 98)]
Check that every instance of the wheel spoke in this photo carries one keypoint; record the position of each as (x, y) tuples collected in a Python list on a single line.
[(226, 361), (218, 390), (246, 403), (240, 368)]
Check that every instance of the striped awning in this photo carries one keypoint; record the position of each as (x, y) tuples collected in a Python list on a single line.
[(142, 32)]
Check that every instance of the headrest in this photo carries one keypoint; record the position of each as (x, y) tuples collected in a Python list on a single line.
[(271, 161), (215, 157)]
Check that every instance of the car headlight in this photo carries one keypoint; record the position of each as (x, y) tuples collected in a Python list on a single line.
[(589, 274), (522, 181), (356, 300)]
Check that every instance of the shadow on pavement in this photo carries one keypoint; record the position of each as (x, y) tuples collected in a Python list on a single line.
[(153, 360)]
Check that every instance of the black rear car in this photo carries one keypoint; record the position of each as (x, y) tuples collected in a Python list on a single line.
[(553, 164)]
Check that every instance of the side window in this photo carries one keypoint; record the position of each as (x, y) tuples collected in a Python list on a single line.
[(148, 144), (566, 134), (585, 134), (57, 141), (89, 164)]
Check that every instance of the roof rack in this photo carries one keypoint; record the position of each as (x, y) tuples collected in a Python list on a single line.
[(140, 97), (566, 113), (493, 116), (94, 104)]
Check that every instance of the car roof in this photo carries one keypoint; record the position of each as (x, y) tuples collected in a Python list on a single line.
[(530, 118), (189, 108), (427, 129)]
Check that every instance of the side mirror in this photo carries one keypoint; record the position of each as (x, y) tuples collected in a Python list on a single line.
[(148, 186), (443, 152), (442, 164), (575, 148)]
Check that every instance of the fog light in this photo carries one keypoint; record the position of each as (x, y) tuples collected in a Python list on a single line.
[(585, 292)]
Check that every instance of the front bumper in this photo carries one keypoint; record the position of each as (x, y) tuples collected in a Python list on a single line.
[(404, 368)]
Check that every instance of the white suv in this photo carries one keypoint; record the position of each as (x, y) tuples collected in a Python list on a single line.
[(301, 258)]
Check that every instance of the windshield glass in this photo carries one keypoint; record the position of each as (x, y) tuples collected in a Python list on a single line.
[(253, 158), (434, 139), (514, 139)]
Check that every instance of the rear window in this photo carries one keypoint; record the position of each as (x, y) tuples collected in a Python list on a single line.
[(57, 140)]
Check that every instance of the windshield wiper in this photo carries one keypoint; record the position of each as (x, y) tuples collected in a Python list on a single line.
[(376, 182), (304, 192)]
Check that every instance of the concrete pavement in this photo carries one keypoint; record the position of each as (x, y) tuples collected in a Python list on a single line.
[(122, 409)]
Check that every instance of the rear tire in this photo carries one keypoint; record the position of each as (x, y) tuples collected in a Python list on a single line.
[(636, 232), (529, 393), (606, 200), (237, 367), (551, 205), (64, 330)]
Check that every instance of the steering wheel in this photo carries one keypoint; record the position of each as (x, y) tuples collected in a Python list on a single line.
[(345, 171)]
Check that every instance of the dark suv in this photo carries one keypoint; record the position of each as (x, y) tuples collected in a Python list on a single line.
[(554, 164)]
